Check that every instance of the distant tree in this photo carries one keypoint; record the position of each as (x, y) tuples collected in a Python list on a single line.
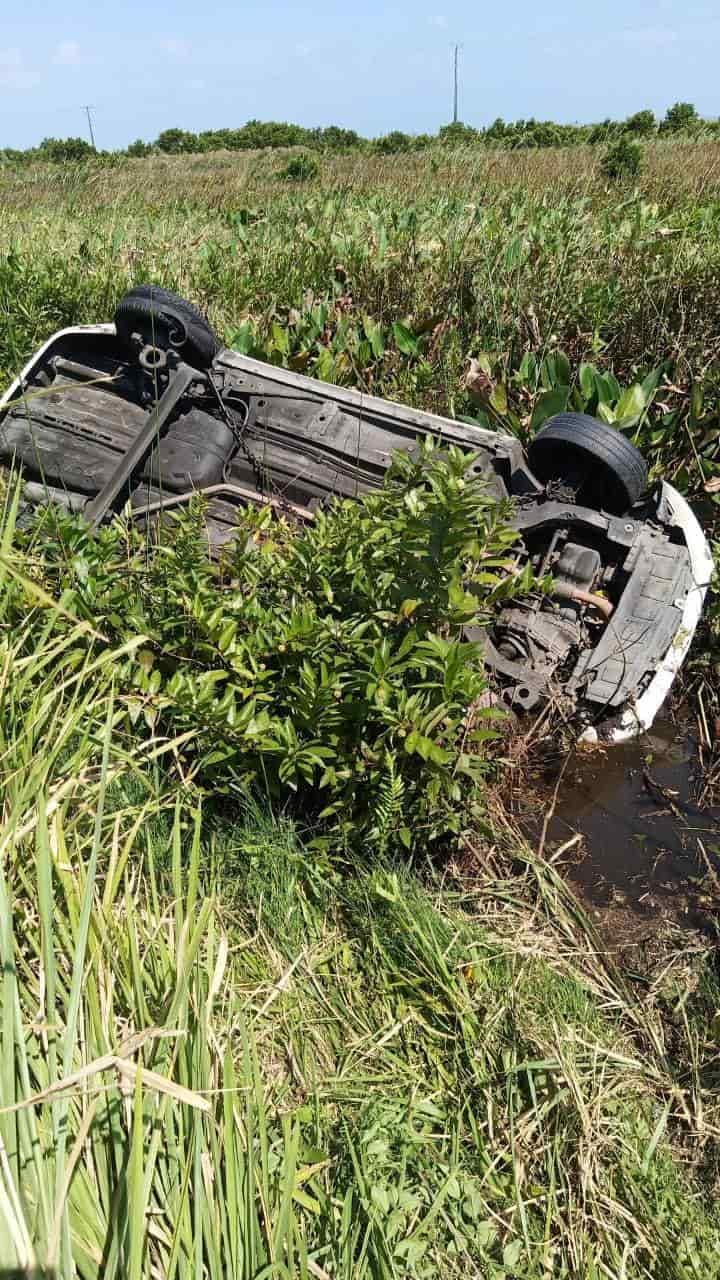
[(541, 133), (604, 131), (272, 133), (392, 142), (63, 149), (337, 139), (497, 130), (682, 117), (10, 155), (139, 148), (457, 134), (642, 124), (214, 139), (176, 141)]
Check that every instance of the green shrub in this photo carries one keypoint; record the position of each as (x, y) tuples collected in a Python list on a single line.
[(643, 124), (393, 142), (176, 142), (457, 134), (300, 168), (61, 150), (335, 138), (138, 148), (327, 663), (622, 160), (682, 117)]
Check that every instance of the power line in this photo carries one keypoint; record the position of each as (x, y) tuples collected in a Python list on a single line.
[(87, 111), (456, 50)]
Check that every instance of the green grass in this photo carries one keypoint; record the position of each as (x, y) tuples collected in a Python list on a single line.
[(394, 273), (223, 1052), (360, 1069), (486, 254)]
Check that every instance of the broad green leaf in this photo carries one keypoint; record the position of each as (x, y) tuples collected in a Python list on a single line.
[(605, 413), (587, 380), (379, 1197), (405, 339), (563, 371), (374, 336), (498, 398), (631, 404), (547, 405), (512, 1254)]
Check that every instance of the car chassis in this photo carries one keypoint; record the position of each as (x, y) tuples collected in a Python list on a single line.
[(144, 413)]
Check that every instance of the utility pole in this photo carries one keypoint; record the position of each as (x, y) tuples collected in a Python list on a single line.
[(455, 83), (87, 111)]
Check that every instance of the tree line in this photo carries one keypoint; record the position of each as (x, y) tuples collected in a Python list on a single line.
[(680, 119)]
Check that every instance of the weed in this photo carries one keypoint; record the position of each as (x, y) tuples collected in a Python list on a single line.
[(622, 160), (300, 168)]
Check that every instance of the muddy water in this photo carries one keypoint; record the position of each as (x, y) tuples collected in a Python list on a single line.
[(640, 858)]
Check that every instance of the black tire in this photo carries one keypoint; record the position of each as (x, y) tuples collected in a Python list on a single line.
[(166, 320), (594, 459)]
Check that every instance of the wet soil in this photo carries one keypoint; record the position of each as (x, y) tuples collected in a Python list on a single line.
[(647, 855)]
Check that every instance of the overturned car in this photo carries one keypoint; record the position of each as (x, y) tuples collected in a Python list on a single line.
[(146, 412)]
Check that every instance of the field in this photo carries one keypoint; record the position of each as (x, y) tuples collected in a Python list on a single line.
[(230, 1042)]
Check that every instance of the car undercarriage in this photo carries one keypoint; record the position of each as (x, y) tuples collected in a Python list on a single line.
[(142, 414)]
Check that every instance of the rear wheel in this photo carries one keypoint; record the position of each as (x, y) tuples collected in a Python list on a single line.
[(166, 321), (594, 461)]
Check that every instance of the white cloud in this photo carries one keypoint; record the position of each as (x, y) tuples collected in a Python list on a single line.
[(13, 72), (438, 20), (67, 54), (176, 48)]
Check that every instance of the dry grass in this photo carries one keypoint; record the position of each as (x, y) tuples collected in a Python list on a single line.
[(218, 179)]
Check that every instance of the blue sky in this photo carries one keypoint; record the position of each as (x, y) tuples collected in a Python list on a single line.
[(146, 65)]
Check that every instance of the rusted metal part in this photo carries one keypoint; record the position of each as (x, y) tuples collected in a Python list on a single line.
[(565, 591), (179, 382), (244, 495)]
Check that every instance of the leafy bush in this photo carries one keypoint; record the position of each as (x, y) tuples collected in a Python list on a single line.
[(271, 133), (329, 663), (682, 117), (642, 124), (139, 148), (62, 149), (300, 168), (176, 142), (393, 142), (334, 138), (457, 134), (535, 133), (622, 160)]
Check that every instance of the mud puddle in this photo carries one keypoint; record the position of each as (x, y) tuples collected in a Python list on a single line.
[(646, 853)]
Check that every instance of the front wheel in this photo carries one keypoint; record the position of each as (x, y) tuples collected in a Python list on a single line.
[(598, 465)]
